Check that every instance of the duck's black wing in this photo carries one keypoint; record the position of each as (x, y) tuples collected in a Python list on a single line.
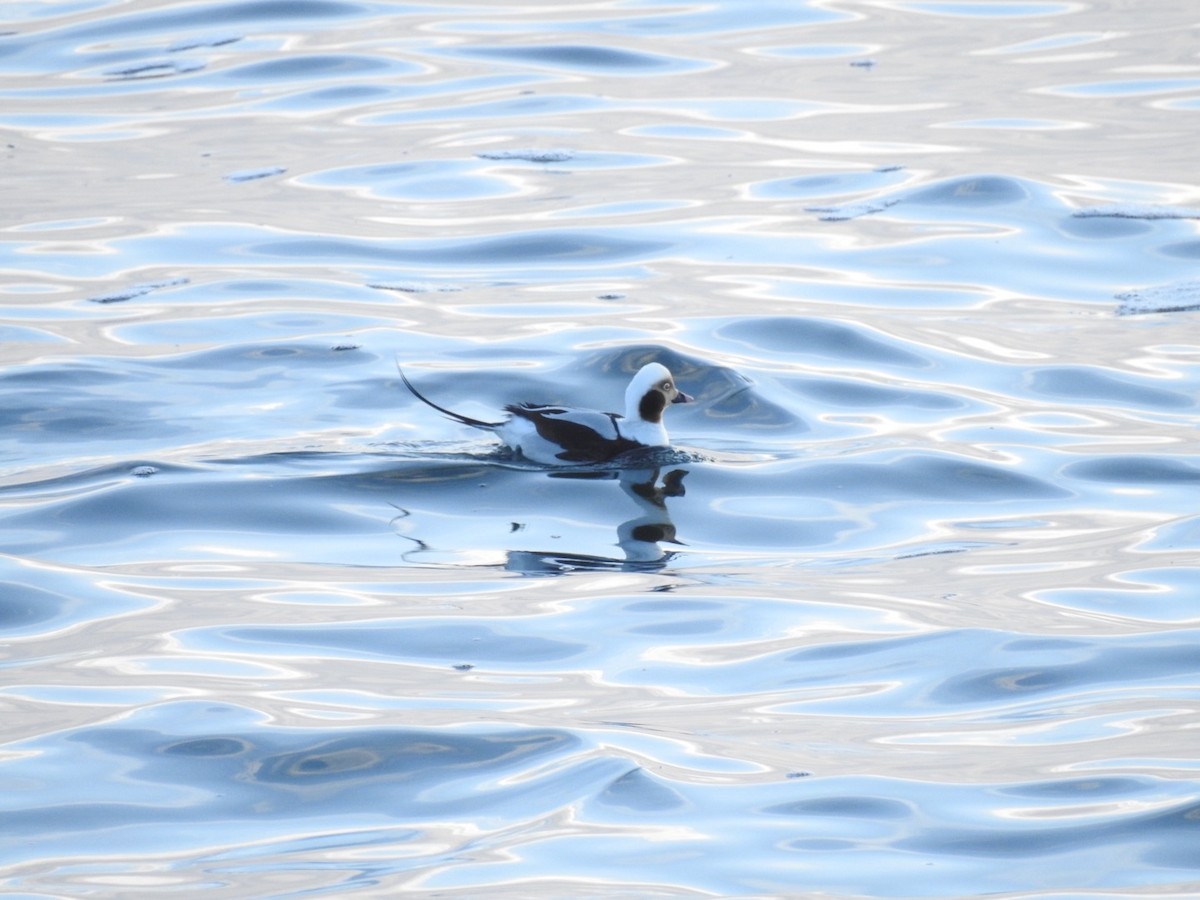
[(584, 435)]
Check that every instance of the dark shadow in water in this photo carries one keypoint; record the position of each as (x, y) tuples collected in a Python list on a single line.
[(214, 763), (581, 58)]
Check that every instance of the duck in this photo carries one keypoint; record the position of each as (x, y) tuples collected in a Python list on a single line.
[(553, 434)]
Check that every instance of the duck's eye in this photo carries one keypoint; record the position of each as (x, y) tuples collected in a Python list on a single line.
[(668, 387)]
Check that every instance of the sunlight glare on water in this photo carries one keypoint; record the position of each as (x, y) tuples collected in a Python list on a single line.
[(908, 609)]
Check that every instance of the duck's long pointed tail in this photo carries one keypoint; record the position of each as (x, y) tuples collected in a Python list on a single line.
[(458, 417)]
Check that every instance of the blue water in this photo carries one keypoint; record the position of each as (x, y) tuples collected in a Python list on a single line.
[(910, 609)]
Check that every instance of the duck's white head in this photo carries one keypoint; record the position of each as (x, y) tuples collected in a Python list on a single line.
[(646, 398)]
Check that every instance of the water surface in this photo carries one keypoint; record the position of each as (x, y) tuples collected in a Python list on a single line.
[(909, 609)]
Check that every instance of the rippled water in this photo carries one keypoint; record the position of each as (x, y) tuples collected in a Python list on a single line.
[(911, 608)]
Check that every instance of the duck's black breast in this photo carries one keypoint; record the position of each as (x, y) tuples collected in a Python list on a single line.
[(584, 435)]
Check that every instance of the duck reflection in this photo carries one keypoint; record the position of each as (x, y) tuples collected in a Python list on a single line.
[(639, 537)]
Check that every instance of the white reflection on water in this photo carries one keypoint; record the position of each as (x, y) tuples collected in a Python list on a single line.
[(909, 610)]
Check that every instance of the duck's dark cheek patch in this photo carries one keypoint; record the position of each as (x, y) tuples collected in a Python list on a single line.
[(652, 406)]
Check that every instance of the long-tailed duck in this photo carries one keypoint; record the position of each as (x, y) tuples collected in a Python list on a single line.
[(558, 434)]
